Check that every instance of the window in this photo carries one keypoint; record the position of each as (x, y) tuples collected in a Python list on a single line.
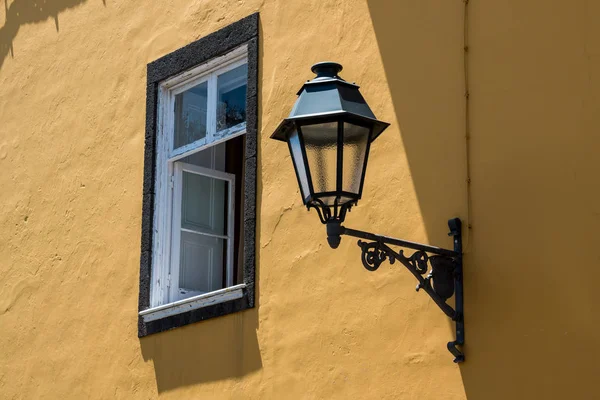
[(199, 203), (202, 113)]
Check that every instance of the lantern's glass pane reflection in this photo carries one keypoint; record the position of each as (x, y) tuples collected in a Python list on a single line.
[(296, 151), (330, 200), (355, 147), (320, 141)]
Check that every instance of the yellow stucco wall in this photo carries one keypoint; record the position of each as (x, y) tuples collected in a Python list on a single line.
[(72, 104)]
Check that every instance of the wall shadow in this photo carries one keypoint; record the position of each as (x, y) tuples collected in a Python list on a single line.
[(22, 12), (421, 48), (534, 113), (219, 348), (212, 350)]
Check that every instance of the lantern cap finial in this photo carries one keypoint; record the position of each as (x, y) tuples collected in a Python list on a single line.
[(327, 69), (329, 98)]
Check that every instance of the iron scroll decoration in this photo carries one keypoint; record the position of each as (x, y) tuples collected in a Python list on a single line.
[(329, 118), (437, 270)]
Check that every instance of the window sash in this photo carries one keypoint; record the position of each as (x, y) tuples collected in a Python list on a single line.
[(212, 135), (180, 168), (203, 144), (166, 163)]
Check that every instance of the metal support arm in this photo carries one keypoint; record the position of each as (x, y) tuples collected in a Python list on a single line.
[(440, 282)]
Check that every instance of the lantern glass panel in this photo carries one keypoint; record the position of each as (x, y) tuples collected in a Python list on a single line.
[(298, 159), (320, 142), (356, 138), (330, 200)]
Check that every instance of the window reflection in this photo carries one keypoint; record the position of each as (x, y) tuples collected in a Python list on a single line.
[(231, 92), (190, 115)]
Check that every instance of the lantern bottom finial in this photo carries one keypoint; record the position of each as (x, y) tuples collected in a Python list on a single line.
[(334, 234)]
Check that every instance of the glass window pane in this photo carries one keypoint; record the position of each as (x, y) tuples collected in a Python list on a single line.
[(320, 141), (231, 98), (212, 157), (201, 264), (190, 115), (203, 204), (355, 148), (296, 153)]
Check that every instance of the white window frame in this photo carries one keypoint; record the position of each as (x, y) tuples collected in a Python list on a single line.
[(180, 168), (164, 283)]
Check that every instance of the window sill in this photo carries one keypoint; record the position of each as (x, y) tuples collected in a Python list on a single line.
[(193, 303)]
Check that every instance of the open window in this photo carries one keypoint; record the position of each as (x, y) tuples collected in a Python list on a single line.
[(199, 261)]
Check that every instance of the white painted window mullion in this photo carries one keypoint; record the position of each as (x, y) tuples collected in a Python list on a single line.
[(203, 145), (189, 148), (155, 287), (205, 234), (211, 114), (176, 233), (166, 176), (170, 201), (162, 239), (230, 232)]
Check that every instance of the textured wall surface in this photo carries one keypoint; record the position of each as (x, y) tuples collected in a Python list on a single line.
[(72, 105)]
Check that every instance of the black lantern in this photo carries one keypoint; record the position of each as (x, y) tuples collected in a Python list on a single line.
[(329, 133)]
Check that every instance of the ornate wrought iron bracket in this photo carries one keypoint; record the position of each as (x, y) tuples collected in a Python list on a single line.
[(438, 271)]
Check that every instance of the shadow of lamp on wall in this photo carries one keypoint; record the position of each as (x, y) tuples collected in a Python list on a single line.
[(329, 134)]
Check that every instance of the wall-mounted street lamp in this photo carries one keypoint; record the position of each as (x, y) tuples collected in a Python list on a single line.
[(329, 133)]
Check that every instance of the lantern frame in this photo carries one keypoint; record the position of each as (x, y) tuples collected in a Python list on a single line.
[(341, 103)]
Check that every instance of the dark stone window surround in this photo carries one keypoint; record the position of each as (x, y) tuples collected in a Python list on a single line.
[(244, 31)]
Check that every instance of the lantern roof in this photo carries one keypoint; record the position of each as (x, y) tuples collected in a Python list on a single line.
[(328, 97)]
